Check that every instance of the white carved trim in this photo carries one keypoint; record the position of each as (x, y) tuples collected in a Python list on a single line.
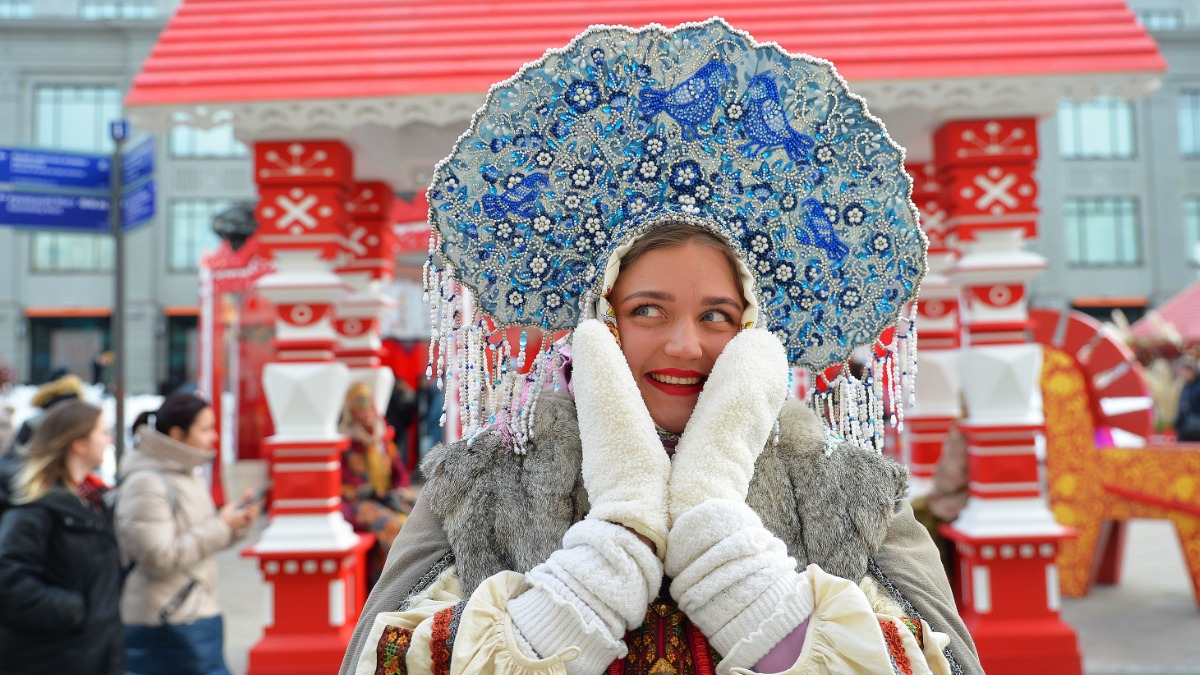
[(947, 99), (317, 118)]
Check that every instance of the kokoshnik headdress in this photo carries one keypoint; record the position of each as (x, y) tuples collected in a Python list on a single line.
[(624, 130)]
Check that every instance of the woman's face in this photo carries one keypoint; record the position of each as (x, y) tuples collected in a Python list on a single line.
[(203, 432), (92, 447), (676, 310)]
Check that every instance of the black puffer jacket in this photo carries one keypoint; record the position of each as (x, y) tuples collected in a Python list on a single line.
[(60, 582)]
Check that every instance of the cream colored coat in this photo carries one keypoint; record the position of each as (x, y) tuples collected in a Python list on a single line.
[(169, 549)]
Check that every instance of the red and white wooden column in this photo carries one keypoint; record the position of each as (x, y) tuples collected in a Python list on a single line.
[(938, 390), (367, 268), (1006, 537), (310, 557)]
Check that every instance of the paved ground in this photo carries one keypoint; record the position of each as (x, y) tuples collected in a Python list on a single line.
[(1148, 625)]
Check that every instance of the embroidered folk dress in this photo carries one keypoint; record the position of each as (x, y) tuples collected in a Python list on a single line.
[(442, 634)]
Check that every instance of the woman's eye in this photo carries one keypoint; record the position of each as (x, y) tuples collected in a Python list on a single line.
[(716, 315), (646, 310)]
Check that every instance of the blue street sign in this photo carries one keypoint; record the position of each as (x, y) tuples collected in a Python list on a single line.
[(77, 213), (137, 206), (118, 129), (137, 164), (66, 170)]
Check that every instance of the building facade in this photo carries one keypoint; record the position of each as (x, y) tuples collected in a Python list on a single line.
[(1119, 200), (1120, 184), (65, 66)]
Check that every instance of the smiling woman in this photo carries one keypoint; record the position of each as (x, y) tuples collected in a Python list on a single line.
[(712, 202)]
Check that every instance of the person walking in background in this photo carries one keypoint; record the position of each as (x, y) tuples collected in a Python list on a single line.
[(1187, 419), (60, 574), (58, 385), (169, 531)]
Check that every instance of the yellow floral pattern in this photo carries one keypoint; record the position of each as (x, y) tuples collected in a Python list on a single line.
[(1088, 486)]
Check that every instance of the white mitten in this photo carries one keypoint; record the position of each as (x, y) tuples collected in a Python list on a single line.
[(625, 468), (733, 419), (735, 581), (587, 595)]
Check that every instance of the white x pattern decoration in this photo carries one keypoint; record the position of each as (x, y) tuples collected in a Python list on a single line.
[(996, 191), (296, 211)]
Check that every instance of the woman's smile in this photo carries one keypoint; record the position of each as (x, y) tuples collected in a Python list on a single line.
[(676, 382)]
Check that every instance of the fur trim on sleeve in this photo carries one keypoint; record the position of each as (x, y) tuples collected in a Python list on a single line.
[(503, 511), (833, 511)]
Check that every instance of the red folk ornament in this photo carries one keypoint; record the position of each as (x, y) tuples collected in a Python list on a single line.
[(302, 162), (302, 314)]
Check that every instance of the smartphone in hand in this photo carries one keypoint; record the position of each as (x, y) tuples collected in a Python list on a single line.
[(259, 496)]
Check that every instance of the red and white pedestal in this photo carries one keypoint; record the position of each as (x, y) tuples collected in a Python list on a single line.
[(1006, 537), (367, 269), (938, 390), (311, 558)]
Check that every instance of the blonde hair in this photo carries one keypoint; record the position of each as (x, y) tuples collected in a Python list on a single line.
[(46, 464)]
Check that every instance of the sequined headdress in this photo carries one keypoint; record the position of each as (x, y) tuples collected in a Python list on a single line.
[(623, 130)]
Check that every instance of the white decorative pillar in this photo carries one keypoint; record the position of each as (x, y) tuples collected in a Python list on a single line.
[(309, 554), (1006, 537)]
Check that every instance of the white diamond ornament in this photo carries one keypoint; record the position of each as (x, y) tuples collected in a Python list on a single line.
[(939, 387), (1001, 384), (305, 399)]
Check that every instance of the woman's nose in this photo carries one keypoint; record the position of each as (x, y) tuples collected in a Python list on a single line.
[(684, 342)]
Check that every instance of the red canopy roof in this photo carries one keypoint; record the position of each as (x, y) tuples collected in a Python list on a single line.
[(216, 51), (1180, 312)]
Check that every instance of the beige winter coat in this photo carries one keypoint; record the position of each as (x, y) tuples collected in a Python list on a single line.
[(169, 549)]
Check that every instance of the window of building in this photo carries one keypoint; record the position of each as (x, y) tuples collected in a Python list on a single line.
[(1191, 228), (1189, 123), (118, 9), (1101, 128), (16, 9), (74, 117), (190, 235), (69, 342), (218, 141), (1102, 231), (1161, 19), (72, 252)]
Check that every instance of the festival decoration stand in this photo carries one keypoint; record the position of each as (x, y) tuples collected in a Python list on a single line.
[(938, 401), (1102, 464), (309, 554), (1006, 537)]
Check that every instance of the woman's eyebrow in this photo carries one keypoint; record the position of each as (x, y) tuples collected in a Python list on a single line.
[(653, 295), (721, 300)]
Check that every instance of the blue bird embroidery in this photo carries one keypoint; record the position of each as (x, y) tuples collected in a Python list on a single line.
[(691, 103), (766, 125), (520, 199), (818, 231)]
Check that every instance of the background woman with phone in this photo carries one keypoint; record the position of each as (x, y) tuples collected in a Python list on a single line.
[(169, 530)]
